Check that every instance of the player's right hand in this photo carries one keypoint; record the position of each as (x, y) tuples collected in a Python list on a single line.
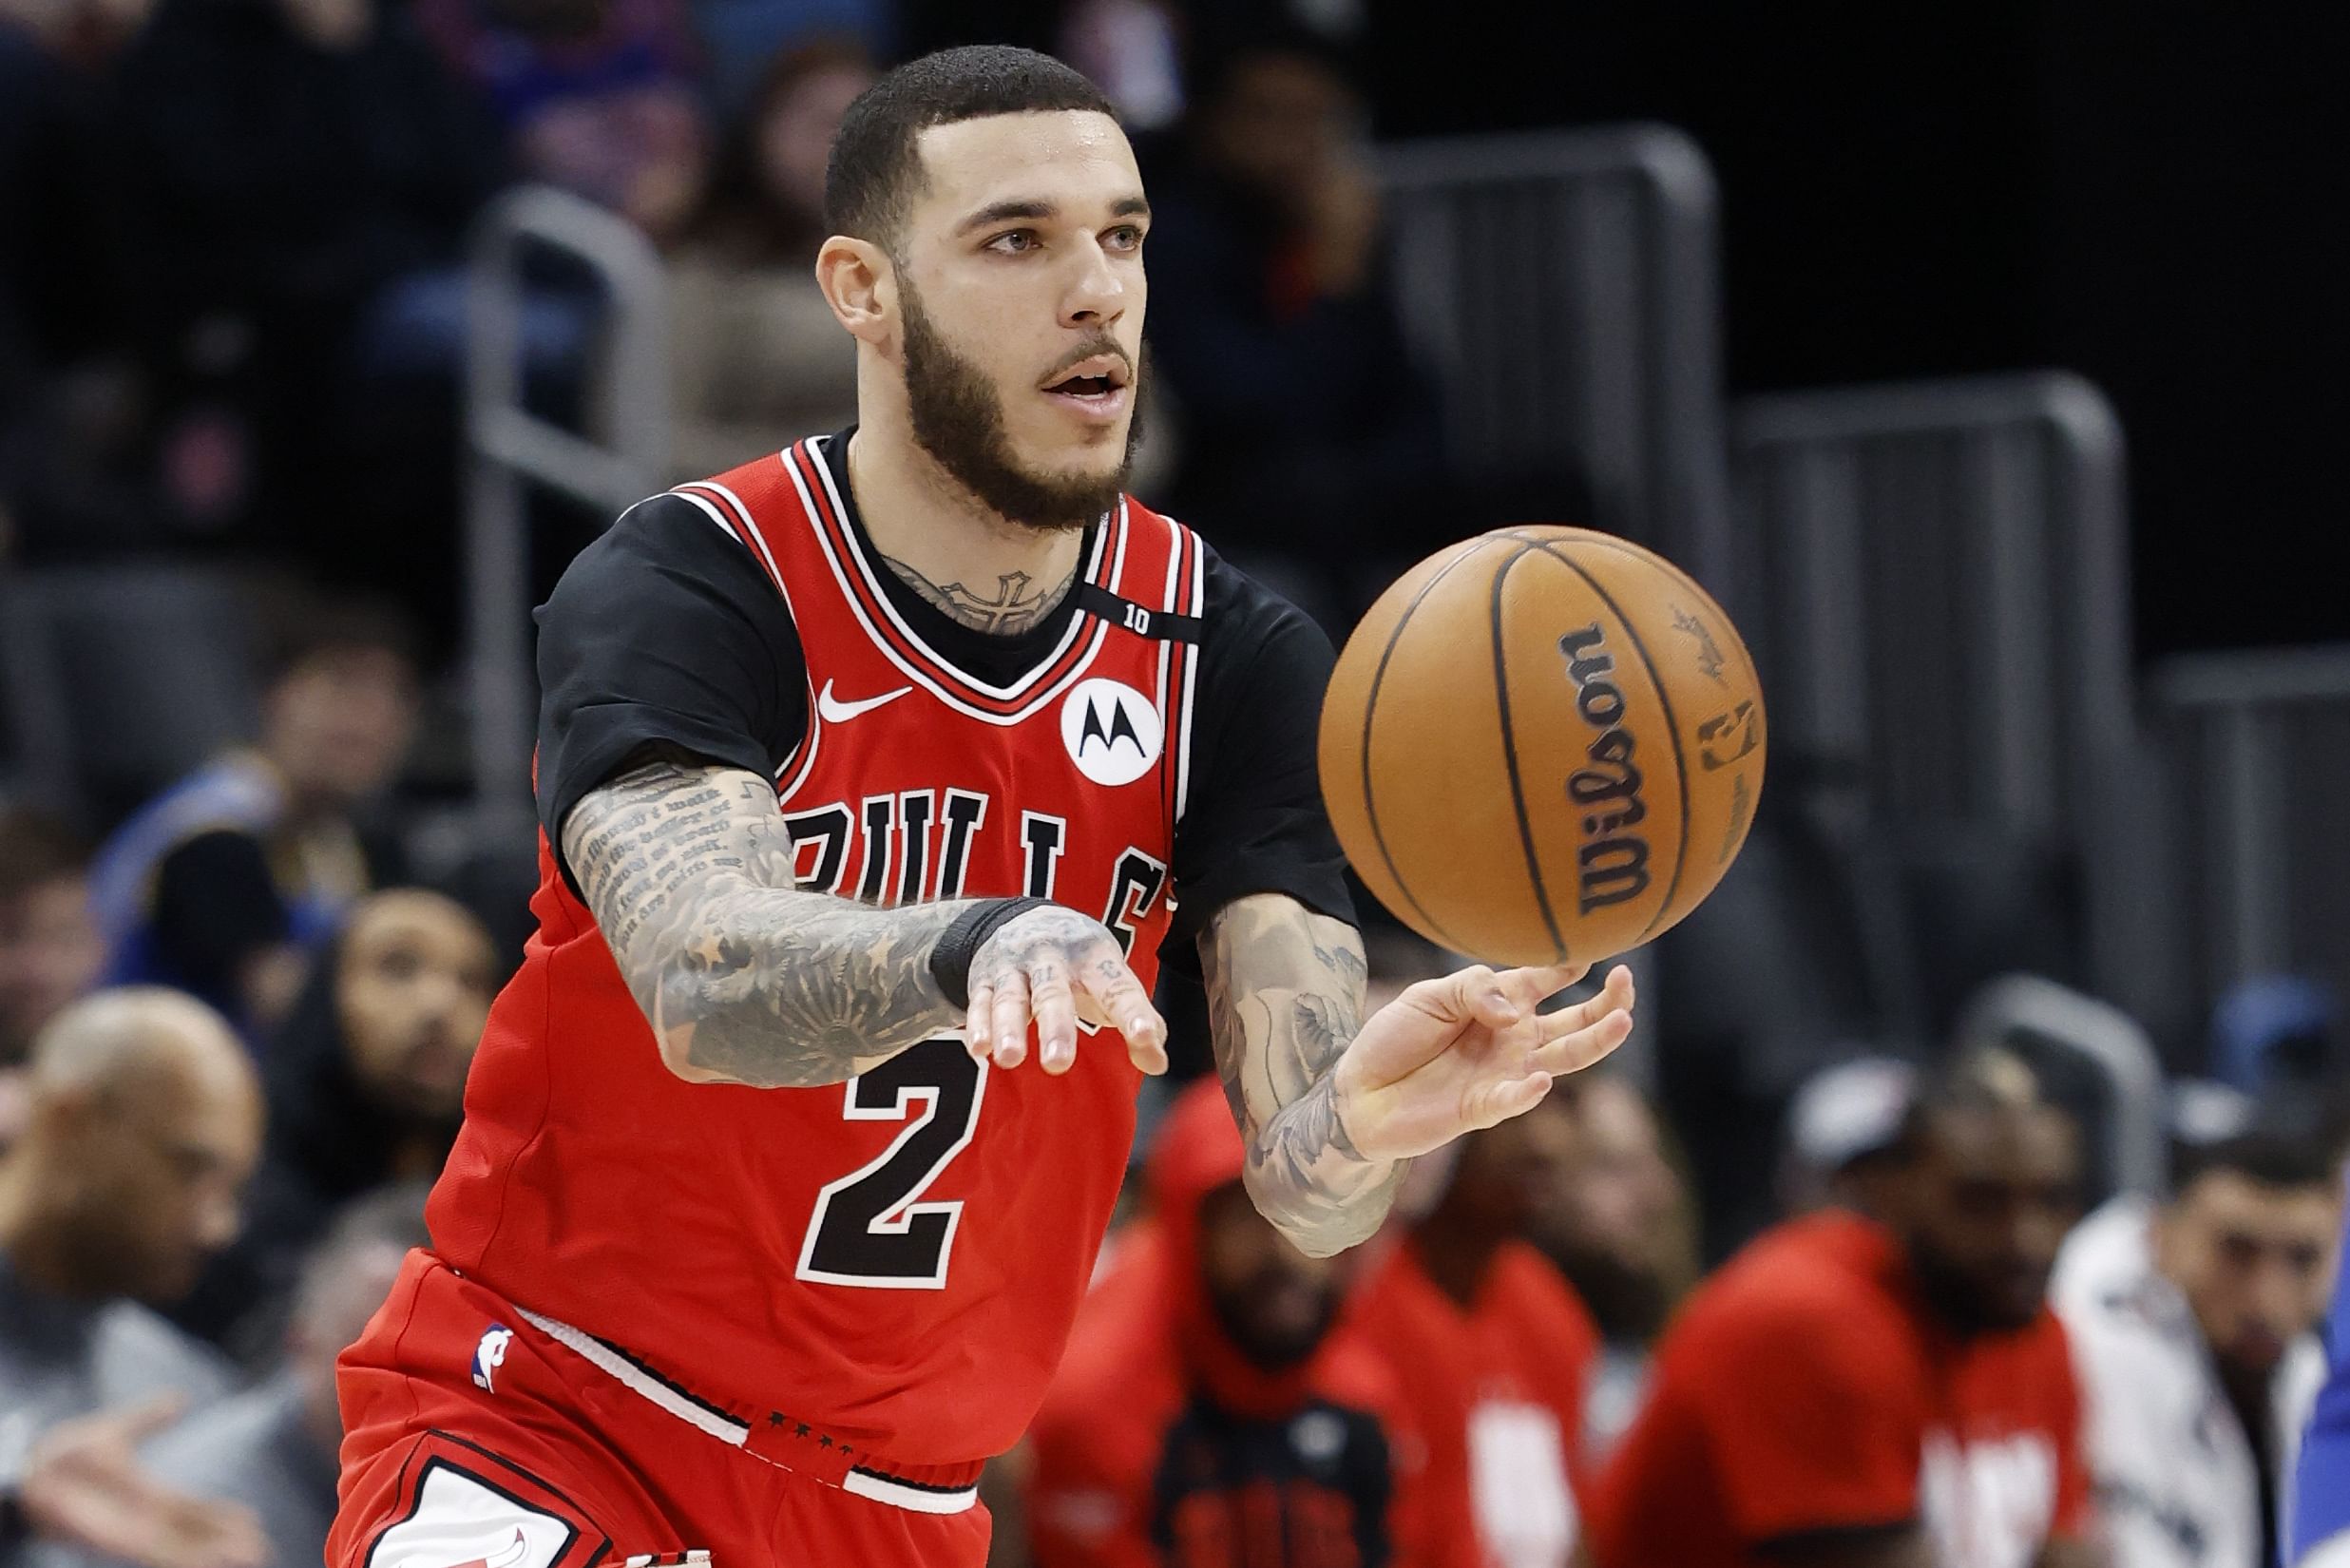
[(1053, 967)]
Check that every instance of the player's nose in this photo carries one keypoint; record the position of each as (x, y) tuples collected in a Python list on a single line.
[(1096, 293)]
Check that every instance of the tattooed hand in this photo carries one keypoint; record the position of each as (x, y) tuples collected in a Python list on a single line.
[(1056, 966), (1329, 1108), (1467, 1050)]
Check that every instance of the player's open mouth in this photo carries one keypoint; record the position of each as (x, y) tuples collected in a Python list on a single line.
[(1096, 388)]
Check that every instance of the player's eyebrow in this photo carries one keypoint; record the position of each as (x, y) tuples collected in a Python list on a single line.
[(1000, 212)]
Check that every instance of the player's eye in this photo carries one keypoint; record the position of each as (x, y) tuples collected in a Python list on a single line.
[(1126, 237), (1015, 242)]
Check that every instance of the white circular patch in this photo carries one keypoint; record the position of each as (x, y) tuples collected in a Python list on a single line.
[(1112, 731), (1317, 1436)]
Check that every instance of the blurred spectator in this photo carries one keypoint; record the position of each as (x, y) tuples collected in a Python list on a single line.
[(2272, 1027), (49, 949), (287, 162), (2193, 1325), (273, 1447), (145, 1121), (1852, 1392), (1206, 1395), (1622, 1227), (739, 39), (69, 477), (366, 1086), (2278, 1039), (225, 882), (1307, 441), (1844, 1128), (756, 358), (1133, 49), (1492, 1349), (597, 96)]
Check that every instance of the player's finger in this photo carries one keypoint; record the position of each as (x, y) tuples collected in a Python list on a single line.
[(1122, 1004), (1055, 1006), (1613, 995), (1007, 1020), (978, 1020), (1491, 1103), (1571, 1050), (1536, 983), (1474, 993)]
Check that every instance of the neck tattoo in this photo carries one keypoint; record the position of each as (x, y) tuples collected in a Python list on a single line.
[(1019, 603)]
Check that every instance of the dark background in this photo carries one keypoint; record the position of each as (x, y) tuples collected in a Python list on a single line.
[(2148, 193)]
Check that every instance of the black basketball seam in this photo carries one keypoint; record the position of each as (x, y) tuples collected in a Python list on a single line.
[(1371, 707), (1509, 751), (1673, 729)]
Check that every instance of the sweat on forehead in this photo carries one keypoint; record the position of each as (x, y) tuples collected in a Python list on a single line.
[(875, 169)]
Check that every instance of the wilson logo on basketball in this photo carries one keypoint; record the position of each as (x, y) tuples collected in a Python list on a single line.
[(1613, 865)]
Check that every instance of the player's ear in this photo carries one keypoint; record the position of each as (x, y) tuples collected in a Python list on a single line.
[(860, 283)]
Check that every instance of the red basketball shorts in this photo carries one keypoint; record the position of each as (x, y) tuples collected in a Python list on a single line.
[(477, 1435)]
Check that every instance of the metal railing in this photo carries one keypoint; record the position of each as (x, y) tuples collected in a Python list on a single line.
[(2037, 1015), (2256, 745), (510, 447), (1942, 602), (1565, 289)]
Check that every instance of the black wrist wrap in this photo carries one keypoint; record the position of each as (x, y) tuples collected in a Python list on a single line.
[(950, 961)]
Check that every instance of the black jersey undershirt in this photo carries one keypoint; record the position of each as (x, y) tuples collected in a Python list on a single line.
[(667, 631)]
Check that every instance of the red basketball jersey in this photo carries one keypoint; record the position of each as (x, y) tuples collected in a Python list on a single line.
[(895, 1260)]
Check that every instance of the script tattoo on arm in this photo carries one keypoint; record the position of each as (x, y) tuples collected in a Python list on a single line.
[(746, 978), (1284, 997)]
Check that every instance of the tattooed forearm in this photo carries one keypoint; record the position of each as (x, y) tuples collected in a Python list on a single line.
[(746, 979), (1017, 602), (1285, 996)]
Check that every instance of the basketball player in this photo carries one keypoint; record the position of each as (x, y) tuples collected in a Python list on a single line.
[(763, 1232)]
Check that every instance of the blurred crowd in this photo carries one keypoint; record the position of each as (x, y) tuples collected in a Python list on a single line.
[(233, 252), (1814, 1269)]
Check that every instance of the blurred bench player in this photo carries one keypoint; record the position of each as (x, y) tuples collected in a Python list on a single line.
[(1882, 1392)]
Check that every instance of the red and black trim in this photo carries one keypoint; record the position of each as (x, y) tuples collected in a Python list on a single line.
[(584, 1543), (1178, 666), (880, 618)]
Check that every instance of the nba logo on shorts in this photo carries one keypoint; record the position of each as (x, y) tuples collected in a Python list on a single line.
[(490, 1354)]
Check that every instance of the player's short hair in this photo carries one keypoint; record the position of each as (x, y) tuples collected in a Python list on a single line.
[(36, 848), (876, 168), (1983, 1078), (2262, 1156)]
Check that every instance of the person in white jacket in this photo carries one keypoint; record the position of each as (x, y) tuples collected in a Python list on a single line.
[(2193, 1323)]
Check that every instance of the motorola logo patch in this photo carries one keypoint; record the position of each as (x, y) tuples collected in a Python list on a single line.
[(1112, 731)]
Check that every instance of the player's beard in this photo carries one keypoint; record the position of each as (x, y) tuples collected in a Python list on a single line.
[(958, 419)]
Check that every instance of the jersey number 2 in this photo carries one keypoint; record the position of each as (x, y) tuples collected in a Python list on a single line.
[(870, 1228)]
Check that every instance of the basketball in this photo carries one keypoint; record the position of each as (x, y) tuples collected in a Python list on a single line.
[(1542, 745)]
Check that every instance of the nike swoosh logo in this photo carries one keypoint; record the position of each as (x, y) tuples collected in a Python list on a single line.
[(832, 711)]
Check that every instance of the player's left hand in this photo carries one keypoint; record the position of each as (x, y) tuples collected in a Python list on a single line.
[(1468, 1050)]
